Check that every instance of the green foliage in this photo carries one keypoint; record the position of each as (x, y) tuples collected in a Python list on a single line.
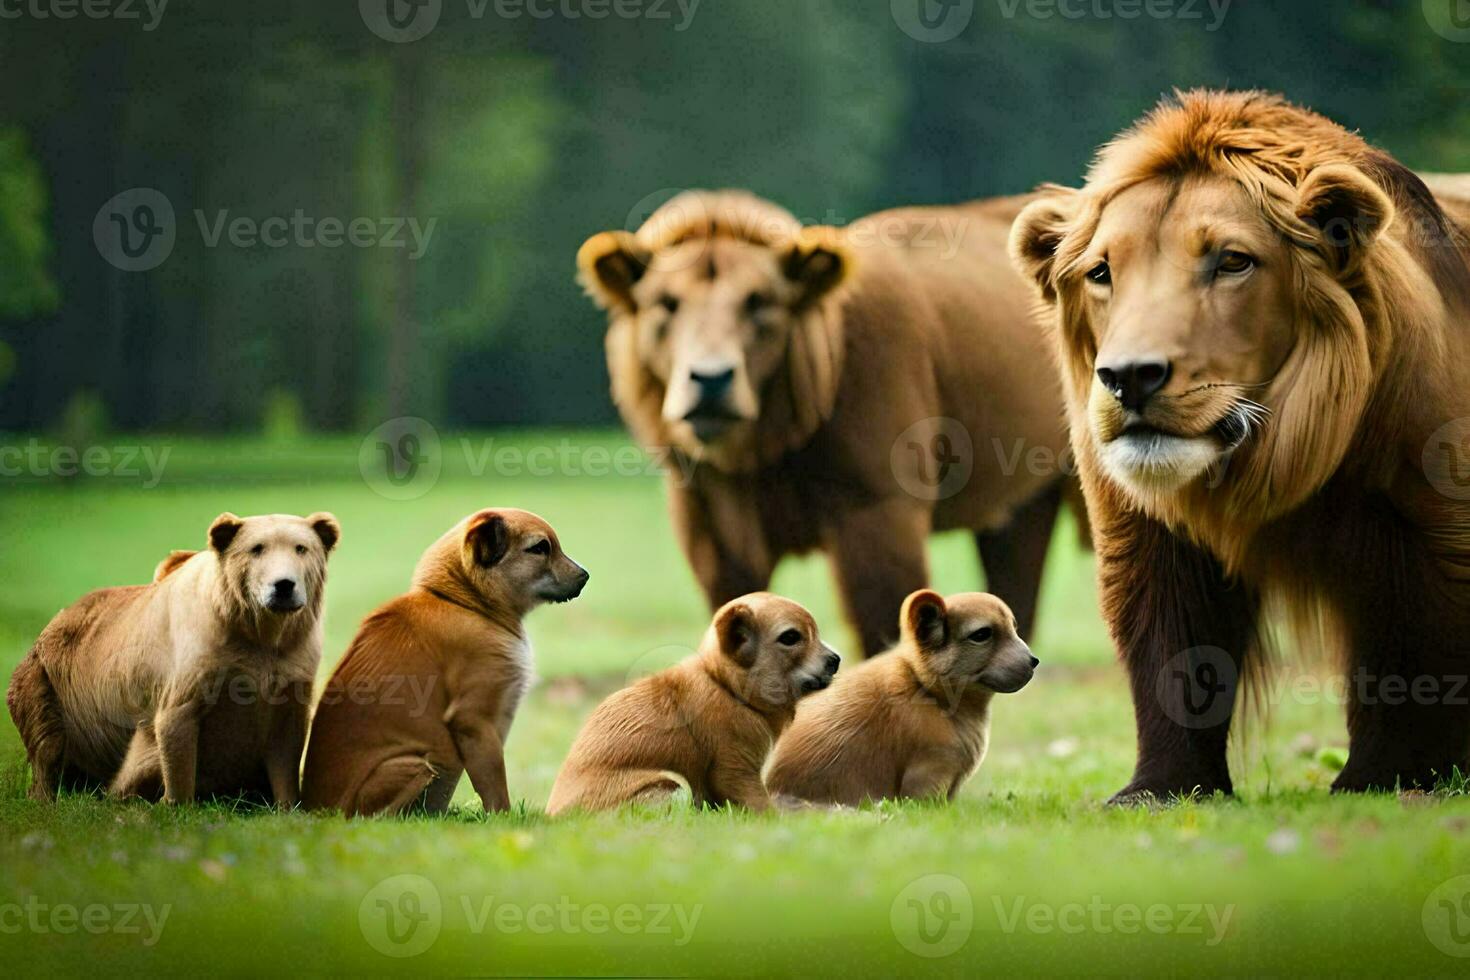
[(26, 285)]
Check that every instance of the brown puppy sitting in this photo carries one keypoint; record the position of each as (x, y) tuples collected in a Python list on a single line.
[(707, 723), (914, 722), (196, 684), (431, 682)]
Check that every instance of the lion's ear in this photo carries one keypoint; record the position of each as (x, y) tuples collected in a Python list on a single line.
[(610, 264), (1037, 233), (817, 261), (1347, 209)]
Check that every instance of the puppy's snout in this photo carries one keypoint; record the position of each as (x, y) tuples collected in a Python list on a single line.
[(1035, 663), (833, 661), (579, 580)]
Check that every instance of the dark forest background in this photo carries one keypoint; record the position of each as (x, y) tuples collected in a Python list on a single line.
[(520, 136)]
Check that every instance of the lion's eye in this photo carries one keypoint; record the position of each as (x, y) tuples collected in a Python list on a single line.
[(757, 303), (670, 303), (539, 548), (1102, 274), (301, 549), (790, 638), (258, 550), (1235, 264), (982, 635)]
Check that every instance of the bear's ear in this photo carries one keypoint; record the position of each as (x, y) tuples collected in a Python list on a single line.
[(925, 619), (1037, 233), (487, 538), (1347, 210), (609, 265), (326, 528), (223, 530), (817, 261), (735, 629)]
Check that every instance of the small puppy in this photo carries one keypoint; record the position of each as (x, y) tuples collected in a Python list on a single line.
[(197, 684), (707, 723), (431, 682), (914, 722)]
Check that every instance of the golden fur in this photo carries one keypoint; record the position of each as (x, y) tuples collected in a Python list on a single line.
[(431, 683), (836, 344), (1311, 295), (914, 722), (199, 683), (706, 724)]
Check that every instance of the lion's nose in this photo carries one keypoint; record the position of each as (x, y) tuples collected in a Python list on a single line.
[(712, 384), (284, 587), (1133, 383)]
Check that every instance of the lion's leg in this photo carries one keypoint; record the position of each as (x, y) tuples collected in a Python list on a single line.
[(1014, 556), (879, 555), (1183, 632), (36, 711), (722, 539)]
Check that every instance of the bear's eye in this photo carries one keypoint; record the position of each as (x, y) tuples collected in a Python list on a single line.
[(301, 549), (669, 303), (982, 635), (1235, 264), (1102, 274), (539, 548), (258, 550), (790, 638)]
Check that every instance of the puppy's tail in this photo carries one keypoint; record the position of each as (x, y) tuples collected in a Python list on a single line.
[(171, 563)]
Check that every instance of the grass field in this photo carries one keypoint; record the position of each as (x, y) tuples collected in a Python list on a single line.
[(1026, 873)]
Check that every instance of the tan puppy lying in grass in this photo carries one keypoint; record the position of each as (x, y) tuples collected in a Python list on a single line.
[(707, 723), (914, 722), (196, 684), (431, 682)]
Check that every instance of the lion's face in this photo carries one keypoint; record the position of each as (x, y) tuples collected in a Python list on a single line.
[(713, 319), (1186, 296)]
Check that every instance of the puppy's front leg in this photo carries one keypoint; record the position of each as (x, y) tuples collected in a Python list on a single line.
[(736, 781), (177, 729), (287, 743), (927, 778), (483, 755)]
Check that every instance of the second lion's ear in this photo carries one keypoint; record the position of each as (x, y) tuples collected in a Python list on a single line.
[(223, 531), (924, 619), (1037, 233), (1347, 210), (818, 261), (609, 265), (487, 538)]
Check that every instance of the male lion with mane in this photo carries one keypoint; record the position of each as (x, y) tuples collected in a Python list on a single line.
[(818, 385), (1263, 322)]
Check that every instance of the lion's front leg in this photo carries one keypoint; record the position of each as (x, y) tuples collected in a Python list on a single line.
[(720, 531), (1183, 632)]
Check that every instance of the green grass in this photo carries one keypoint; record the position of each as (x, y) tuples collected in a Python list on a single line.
[(1053, 882)]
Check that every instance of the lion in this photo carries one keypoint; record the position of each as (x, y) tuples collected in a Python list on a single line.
[(844, 390), (1261, 322)]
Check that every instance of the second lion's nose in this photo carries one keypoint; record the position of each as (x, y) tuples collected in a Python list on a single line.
[(1133, 383)]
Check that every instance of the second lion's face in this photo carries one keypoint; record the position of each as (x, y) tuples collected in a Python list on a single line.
[(774, 645), (969, 638)]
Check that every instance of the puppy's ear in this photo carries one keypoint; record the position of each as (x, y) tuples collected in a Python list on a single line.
[(925, 619), (1036, 235), (818, 261), (487, 538), (736, 631), (609, 265), (1348, 212), (326, 528), (223, 530)]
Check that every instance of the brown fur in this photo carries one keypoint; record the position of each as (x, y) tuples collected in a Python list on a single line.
[(188, 686), (862, 333), (431, 683), (914, 723), (707, 723), (1325, 508)]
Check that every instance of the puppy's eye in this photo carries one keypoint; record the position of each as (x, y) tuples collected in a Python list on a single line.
[(757, 303), (982, 635), (790, 638), (669, 303), (301, 549), (1102, 274), (539, 548), (1235, 264), (258, 550)]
